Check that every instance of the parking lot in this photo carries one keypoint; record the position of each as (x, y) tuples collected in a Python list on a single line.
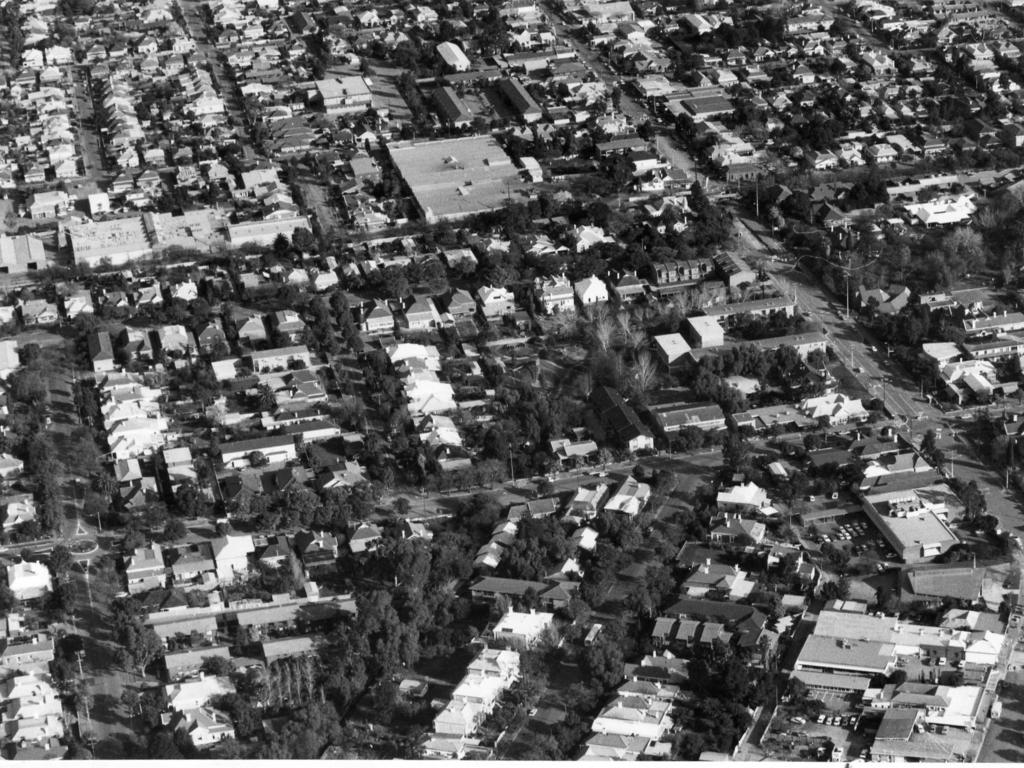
[(856, 530)]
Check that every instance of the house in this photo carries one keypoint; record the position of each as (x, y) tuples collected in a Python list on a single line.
[(735, 530), (17, 510), (495, 302), (249, 325), (101, 351), (590, 290), (706, 332), (48, 205), (835, 409), (620, 420), (174, 339), (210, 335), (288, 324), (670, 348), (522, 630), (588, 502), (10, 466), (27, 654), (630, 497), (187, 663), (422, 314), (556, 294), (39, 312), (9, 359), (460, 305), (204, 726), (747, 498), (29, 580), (145, 569), (378, 319), (195, 693), (365, 538), (231, 556)]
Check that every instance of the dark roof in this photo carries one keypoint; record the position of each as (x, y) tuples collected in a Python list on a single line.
[(715, 610), (955, 581), (517, 587), (617, 414)]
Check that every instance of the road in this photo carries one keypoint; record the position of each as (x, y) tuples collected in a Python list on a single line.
[(865, 357), (631, 107), (88, 139), (207, 53)]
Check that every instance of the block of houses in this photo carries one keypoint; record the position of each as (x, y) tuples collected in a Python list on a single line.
[(280, 358), (275, 449), (672, 412), (523, 630)]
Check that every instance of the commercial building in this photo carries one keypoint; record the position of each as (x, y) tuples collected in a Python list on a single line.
[(454, 178), (21, 253), (520, 100)]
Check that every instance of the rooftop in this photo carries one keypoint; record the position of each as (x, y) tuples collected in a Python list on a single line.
[(454, 178)]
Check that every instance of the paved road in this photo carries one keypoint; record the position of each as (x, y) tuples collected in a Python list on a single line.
[(866, 357), (109, 721), (206, 52), (88, 139)]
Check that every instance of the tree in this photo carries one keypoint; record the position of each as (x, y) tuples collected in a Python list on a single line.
[(191, 501), (735, 451), (60, 561), (303, 239), (645, 372), (974, 502), (265, 399), (174, 529), (217, 666)]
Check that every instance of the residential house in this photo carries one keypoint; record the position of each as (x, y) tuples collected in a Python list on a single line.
[(495, 302), (590, 290), (556, 294), (29, 580), (620, 420)]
